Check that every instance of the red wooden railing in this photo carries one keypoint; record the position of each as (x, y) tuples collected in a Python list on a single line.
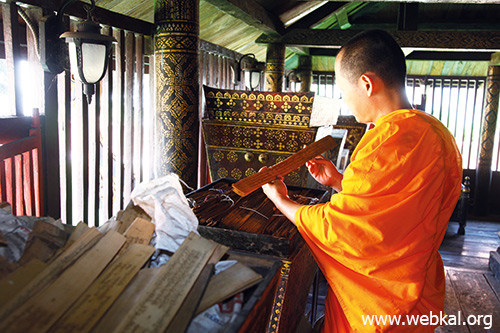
[(21, 172)]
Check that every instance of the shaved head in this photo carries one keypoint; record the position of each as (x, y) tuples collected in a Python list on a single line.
[(373, 51)]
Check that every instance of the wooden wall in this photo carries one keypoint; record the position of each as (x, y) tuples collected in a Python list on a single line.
[(95, 154)]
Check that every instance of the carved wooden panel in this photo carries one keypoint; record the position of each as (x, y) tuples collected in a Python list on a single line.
[(235, 150), (288, 109)]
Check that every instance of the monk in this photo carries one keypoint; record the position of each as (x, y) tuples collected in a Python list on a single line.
[(376, 241)]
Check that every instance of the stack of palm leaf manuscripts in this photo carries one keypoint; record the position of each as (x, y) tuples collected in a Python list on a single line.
[(97, 280), (251, 223)]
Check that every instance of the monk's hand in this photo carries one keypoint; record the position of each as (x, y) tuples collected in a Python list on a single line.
[(275, 188), (325, 172)]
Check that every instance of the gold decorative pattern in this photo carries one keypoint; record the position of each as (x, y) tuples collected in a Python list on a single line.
[(177, 74), (218, 155), (222, 172), (250, 172), (232, 156), (280, 139), (290, 109), (279, 297), (355, 131), (490, 117), (236, 173)]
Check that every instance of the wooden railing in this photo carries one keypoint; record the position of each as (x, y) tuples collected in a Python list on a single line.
[(21, 172), (94, 154)]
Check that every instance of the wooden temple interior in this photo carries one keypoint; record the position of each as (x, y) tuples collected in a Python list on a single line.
[(174, 99)]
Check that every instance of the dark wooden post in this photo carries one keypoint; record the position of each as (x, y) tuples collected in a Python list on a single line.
[(177, 88), (12, 47), (483, 170), (305, 71), (275, 67)]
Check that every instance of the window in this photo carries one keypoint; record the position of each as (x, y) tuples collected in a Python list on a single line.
[(457, 101)]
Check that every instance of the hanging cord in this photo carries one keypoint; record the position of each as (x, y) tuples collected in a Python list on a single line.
[(33, 28)]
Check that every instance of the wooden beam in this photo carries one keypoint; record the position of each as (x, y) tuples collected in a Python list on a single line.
[(451, 56), (316, 16), (294, 11), (252, 13), (408, 16), (419, 40), (100, 15)]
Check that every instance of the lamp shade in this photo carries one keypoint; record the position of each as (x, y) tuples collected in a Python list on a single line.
[(252, 70), (88, 51), (90, 58), (88, 54), (252, 79)]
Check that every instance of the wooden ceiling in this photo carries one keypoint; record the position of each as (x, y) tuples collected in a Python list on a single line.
[(459, 35)]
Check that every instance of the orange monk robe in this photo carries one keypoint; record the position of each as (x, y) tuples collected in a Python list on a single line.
[(377, 240)]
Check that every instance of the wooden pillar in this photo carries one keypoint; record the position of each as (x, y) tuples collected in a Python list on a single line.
[(483, 170), (305, 71), (177, 88), (275, 67)]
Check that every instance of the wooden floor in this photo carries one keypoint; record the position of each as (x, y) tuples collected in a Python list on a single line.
[(471, 288)]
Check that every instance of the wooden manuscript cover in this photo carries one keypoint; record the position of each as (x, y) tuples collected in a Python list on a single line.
[(273, 108)]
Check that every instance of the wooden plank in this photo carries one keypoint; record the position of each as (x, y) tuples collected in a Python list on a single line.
[(38, 167), (228, 283), (118, 106), (126, 217), (465, 262), (80, 229), (186, 312), (252, 13), (451, 306), (55, 268), (164, 296), (128, 135), (138, 126), (96, 300), (249, 184), (17, 147), (6, 267), (12, 44), (42, 310), (10, 183), (126, 300), (84, 174), (43, 242), (28, 189), (13, 283), (105, 125), (18, 184), (93, 155), (64, 115), (3, 188), (140, 232), (99, 14), (476, 298)]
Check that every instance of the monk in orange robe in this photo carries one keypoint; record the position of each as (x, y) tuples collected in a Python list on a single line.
[(376, 241)]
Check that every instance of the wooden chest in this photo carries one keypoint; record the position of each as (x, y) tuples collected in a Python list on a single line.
[(253, 225), (236, 150), (248, 130)]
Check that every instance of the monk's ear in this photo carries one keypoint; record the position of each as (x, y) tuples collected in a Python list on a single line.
[(366, 82)]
